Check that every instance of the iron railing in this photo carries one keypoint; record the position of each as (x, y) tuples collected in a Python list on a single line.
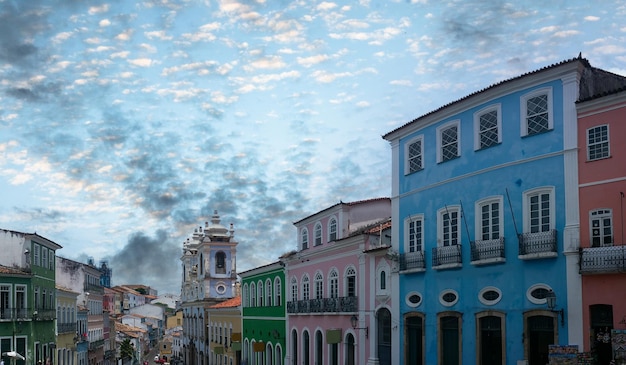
[(602, 260), (96, 344), (537, 243), (412, 261), (12, 314), (66, 327), (323, 305), (487, 249), (446, 255)]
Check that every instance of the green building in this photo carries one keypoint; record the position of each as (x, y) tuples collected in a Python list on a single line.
[(27, 298), (264, 315)]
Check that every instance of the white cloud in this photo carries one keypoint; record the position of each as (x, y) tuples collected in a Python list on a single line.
[(61, 37), (125, 35), (99, 9), (104, 23), (313, 60), (325, 6), (141, 62), (592, 18)]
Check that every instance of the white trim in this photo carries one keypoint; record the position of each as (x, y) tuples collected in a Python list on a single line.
[(407, 221), (494, 107), (524, 107), (448, 291), (440, 213), (478, 215), (526, 206), (534, 287), (489, 302), (454, 123), (608, 142), (411, 304), (407, 166)]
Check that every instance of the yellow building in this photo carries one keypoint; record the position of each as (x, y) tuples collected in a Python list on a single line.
[(67, 337), (224, 332)]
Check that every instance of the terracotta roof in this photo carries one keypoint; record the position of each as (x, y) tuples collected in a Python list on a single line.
[(230, 303), (342, 203), (11, 270), (594, 81)]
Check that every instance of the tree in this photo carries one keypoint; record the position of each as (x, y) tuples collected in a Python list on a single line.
[(127, 350)]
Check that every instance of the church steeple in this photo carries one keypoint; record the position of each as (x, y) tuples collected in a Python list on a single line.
[(212, 266)]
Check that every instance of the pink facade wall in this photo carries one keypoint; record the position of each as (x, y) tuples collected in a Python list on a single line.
[(601, 182)]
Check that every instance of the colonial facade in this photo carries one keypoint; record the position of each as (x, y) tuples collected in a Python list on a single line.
[(27, 296), (224, 328), (209, 277), (486, 222), (85, 280), (602, 181), (264, 309), (338, 310)]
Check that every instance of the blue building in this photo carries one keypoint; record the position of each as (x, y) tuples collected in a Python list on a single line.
[(484, 205)]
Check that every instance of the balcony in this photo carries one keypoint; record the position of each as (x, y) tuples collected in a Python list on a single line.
[(484, 252), (93, 345), (602, 260), (447, 257), (323, 305), (14, 314), (66, 327), (412, 262), (537, 245)]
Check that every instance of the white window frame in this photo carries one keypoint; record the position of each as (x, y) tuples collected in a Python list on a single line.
[(245, 296), (330, 229), (350, 272), (456, 124), (440, 225), (268, 292), (600, 215), (259, 293), (526, 207), (304, 238), (252, 295), (589, 144), (407, 232), (333, 284), (306, 287), (319, 284), (498, 109), (317, 234), (407, 156), (478, 224), (294, 289), (524, 109), (278, 297)]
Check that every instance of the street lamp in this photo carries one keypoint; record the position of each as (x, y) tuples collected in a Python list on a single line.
[(355, 321), (551, 302)]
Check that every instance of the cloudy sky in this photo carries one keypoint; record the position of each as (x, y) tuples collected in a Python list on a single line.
[(124, 124)]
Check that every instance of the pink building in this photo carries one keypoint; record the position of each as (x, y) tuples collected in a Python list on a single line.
[(602, 185), (338, 286)]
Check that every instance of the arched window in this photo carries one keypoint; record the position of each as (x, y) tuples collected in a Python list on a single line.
[(245, 296), (350, 282), (304, 238), (259, 294), (294, 289), (277, 292), (268, 292), (333, 281), (332, 230), (383, 280), (319, 348), (319, 285), (252, 295), (318, 234), (294, 346), (305, 348), (306, 288), (220, 263)]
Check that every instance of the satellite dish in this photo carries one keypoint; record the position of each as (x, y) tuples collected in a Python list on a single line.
[(13, 354)]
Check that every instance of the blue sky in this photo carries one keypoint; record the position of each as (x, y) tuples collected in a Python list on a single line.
[(124, 124)]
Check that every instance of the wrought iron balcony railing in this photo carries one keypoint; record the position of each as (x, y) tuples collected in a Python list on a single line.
[(487, 250), (538, 244), (13, 314), (66, 327), (324, 305), (448, 256), (96, 344), (413, 261), (602, 260)]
